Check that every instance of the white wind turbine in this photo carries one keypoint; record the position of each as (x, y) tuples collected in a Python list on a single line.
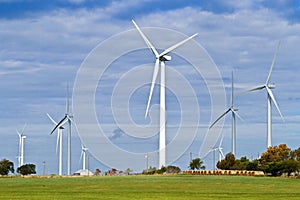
[(160, 62), (234, 113), (22, 137), (270, 99), (59, 140), (67, 118), (219, 149), (83, 156)]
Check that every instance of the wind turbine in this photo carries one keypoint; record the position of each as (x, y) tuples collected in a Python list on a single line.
[(234, 113), (83, 156), (219, 149), (59, 140), (160, 63), (67, 118), (22, 137), (270, 99)]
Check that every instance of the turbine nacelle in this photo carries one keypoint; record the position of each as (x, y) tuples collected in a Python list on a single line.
[(165, 58), (84, 149), (271, 86), (234, 109)]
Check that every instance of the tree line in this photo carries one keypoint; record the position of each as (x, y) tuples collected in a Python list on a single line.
[(277, 160)]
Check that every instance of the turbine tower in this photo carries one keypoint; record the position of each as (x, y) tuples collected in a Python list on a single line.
[(270, 99), (22, 137), (59, 140), (67, 118), (160, 63), (234, 113), (83, 156)]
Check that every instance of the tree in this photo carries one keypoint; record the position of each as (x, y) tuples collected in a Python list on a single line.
[(196, 164), (253, 166), (227, 163), (240, 164), (289, 166), (162, 170), (280, 159), (6, 166), (275, 168), (26, 169), (296, 154), (276, 154)]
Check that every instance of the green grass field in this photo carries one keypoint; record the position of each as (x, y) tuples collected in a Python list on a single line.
[(151, 187)]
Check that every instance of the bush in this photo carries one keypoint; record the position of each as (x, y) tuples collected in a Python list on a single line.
[(173, 169), (26, 169)]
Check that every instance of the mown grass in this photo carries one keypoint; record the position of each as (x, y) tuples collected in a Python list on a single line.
[(151, 187)]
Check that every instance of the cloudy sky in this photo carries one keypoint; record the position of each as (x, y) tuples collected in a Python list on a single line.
[(44, 43)]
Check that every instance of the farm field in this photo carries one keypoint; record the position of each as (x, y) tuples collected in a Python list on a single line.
[(150, 187)]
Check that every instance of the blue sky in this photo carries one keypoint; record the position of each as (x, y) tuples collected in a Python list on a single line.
[(43, 44)]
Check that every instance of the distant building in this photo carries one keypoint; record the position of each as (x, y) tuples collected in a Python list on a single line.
[(84, 172)]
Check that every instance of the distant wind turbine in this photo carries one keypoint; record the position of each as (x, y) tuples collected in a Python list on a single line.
[(160, 63), (270, 99), (220, 150), (67, 118), (83, 156), (234, 113), (22, 137), (59, 140)]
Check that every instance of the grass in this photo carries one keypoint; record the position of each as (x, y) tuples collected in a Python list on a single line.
[(151, 187)]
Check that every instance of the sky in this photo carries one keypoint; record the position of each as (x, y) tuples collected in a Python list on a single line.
[(44, 46)]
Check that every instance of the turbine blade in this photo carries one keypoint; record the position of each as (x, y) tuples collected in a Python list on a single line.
[(273, 62), (155, 72), (54, 122), (274, 101), (70, 118), (151, 47), (168, 50), (19, 134), (231, 98), (23, 129), (61, 123), (254, 89), (221, 152), (211, 150), (221, 141), (219, 118), (237, 114), (67, 100)]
